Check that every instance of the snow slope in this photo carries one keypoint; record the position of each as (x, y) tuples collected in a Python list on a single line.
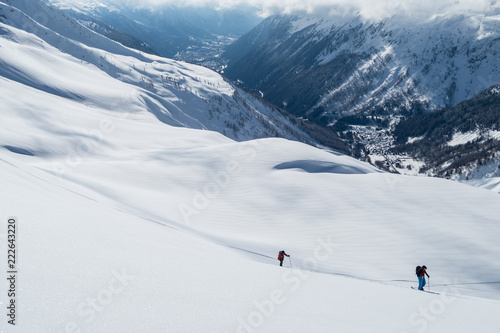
[(87, 267), (105, 246), (128, 224), (177, 93), (491, 183), (192, 221)]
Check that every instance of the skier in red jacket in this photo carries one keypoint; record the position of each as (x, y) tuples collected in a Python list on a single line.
[(421, 273), (281, 256)]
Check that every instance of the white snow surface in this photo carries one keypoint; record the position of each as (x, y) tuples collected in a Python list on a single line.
[(492, 183), (463, 138), (415, 139), (126, 223)]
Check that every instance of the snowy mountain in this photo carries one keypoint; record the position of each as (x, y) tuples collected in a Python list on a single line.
[(462, 142), (329, 67), (196, 34), (67, 57), (131, 216), (363, 75)]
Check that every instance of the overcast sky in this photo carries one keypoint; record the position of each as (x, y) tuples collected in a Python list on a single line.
[(367, 8)]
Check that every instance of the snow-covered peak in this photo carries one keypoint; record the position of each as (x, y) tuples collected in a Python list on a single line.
[(68, 58), (83, 6), (56, 27), (352, 65)]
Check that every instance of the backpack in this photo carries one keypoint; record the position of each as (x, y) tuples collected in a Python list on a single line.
[(417, 270), (280, 255)]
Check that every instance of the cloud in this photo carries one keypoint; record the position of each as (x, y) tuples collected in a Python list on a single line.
[(369, 9)]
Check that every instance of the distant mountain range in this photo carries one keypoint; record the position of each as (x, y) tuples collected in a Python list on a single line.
[(193, 34), (377, 84), (328, 68), (177, 93), (361, 87)]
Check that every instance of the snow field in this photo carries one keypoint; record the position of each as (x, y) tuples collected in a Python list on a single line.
[(127, 224), (91, 268), (146, 172)]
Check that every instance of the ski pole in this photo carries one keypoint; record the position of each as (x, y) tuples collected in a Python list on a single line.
[(290, 262)]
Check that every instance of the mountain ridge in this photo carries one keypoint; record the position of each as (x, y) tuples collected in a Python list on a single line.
[(360, 67), (440, 138), (190, 33), (162, 86)]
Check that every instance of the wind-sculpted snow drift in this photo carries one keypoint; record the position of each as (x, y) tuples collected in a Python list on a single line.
[(129, 224), (323, 167)]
